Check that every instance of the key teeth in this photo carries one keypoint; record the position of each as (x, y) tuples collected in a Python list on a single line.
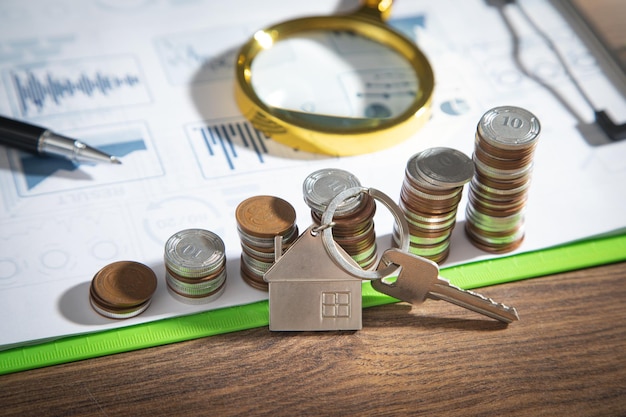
[(492, 301), (511, 310)]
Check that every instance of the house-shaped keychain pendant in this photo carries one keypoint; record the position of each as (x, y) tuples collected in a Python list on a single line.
[(308, 291)]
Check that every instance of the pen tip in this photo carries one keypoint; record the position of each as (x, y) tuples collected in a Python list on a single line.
[(115, 160)]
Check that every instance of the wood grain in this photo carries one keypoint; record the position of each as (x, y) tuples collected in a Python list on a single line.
[(567, 356)]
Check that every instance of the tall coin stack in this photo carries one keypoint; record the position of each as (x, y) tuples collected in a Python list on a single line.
[(430, 194), (354, 218), (505, 142), (259, 220), (195, 266)]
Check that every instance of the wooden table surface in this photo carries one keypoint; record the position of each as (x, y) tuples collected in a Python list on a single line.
[(565, 357)]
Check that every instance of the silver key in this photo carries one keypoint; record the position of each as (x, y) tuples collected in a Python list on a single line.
[(419, 279)]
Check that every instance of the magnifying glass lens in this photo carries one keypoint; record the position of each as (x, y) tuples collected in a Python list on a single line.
[(337, 85), (334, 79)]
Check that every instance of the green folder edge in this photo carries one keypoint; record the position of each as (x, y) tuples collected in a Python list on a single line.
[(568, 257)]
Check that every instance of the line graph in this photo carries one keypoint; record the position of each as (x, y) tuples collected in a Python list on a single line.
[(61, 87)]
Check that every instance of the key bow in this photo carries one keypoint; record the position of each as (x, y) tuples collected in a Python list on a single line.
[(415, 278)]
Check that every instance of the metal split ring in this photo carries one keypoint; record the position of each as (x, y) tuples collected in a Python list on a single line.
[(331, 246)]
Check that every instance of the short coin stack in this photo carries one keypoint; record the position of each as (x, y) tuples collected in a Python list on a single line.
[(259, 220), (353, 227), (122, 289), (429, 198), (505, 142), (195, 266)]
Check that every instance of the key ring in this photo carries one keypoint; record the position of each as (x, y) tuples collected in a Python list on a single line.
[(331, 245)]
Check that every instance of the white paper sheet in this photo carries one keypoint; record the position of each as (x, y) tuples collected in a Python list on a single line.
[(146, 80)]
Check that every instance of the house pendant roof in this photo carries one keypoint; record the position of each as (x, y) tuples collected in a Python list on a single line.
[(309, 291)]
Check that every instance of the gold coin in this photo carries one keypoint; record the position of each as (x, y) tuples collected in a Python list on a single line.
[(124, 284), (265, 216)]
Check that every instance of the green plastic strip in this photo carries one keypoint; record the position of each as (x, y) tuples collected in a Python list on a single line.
[(568, 257)]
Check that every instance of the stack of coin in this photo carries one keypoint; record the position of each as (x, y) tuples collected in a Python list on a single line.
[(122, 289), (431, 191), (195, 266), (354, 218), (259, 220), (505, 142)]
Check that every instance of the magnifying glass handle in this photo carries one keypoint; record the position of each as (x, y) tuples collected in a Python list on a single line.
[(376, 9)]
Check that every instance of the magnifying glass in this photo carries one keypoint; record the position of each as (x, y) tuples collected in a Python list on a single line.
[(337, 85)]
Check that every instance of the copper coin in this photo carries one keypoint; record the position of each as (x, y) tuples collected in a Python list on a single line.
[(496, 193), (116, 313), (500, 205), (426, 206), (477, 238), (124, 284), (360, 230), (354, 231), (355, 244), (93, 297), (265, 216), (345, 226), (501, 174), (502, 185), (511, 211), (516, 160), (506, 154), (365, 211), (417, 233)]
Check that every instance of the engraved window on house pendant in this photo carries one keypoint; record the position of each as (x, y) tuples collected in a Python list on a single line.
[(335, 304)]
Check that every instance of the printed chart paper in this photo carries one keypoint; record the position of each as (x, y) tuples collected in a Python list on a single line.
[(152, 83)]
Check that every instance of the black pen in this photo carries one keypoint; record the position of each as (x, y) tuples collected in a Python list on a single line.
[(41, 141)]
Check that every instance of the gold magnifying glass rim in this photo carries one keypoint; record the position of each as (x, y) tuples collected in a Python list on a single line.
[(317, 138)]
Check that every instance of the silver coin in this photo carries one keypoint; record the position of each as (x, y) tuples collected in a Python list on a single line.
[(483, 189), (199, 289), (195, 300), (509, 127), (420, 240), (120, 315), (441, 167), (320, 187), (259, 268), (194, 253), (429, 196), (502, 174), (497, 242)]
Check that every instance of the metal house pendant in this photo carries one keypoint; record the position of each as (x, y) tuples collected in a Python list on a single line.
[(308, 291)]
